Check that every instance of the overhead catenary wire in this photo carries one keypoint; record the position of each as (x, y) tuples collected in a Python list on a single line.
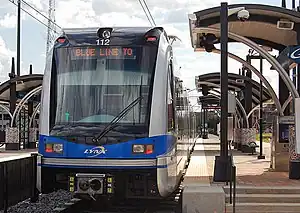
[(149, 12), (146, 13), (12, 1), (36, 10)]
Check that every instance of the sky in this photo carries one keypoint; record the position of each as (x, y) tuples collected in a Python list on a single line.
[(170, 14)]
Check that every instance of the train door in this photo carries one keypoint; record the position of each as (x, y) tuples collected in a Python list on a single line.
[(172, 169)]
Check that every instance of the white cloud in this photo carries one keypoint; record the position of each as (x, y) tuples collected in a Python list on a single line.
[(5, 60), (9, 21)]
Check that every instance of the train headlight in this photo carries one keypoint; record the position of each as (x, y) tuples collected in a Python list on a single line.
[(145, 149), (54, 148), (138, 149), (58, 147)]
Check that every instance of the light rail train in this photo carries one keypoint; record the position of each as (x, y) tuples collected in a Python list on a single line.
[(115, 120)]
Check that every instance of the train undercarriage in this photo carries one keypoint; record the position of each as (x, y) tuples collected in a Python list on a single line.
[(100, 183)]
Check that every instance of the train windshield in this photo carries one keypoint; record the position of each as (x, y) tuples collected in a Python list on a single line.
[(94, 84)]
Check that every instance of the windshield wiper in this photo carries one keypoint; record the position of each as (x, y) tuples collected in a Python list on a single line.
[(114, 121)]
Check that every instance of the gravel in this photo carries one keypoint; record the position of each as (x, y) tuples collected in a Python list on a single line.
[(45, 204)]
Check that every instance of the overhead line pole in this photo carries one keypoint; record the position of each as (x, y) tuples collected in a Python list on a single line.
[(224, 79), (283, 3), (19, 38), (222, 162), (261, 156)]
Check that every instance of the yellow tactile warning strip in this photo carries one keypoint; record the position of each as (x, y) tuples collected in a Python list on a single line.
[(197, 172)]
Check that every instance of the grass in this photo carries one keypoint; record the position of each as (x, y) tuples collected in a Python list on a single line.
[(266, 137)]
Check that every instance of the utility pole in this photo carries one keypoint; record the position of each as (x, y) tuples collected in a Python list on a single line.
[(222, 162), (261, 156), (294, 4), (19, 39)]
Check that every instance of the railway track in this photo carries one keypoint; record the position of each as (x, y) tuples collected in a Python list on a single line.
[(172, 204), (132, 206)]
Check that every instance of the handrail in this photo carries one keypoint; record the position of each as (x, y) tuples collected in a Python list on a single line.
[(232, 187)]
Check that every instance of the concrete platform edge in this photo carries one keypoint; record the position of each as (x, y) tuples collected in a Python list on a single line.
[(204, 199)]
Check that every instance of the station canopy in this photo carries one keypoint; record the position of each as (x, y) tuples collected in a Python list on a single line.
[(261, 27), (24, 84), (236, 83), (209, 100)]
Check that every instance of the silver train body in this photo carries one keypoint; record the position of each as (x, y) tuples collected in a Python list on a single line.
[(173, 138)]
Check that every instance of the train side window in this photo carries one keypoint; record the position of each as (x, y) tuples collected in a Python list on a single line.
[(170, 98)]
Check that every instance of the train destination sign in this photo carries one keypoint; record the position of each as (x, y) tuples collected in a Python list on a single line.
[(103, 52)]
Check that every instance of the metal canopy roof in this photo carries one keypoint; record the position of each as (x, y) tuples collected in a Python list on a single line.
[(233, 84), (209, 99), (261, 26), (25, 83)]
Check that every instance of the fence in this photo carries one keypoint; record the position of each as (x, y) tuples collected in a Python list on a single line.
[(18, 181)]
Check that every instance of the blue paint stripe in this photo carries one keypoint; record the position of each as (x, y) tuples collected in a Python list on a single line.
[(162, 145), (102, 167)]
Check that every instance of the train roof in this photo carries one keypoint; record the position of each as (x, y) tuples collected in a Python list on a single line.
[(116, 30), (118, 35)]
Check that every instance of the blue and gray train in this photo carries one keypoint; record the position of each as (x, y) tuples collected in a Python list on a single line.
[(115, 121)]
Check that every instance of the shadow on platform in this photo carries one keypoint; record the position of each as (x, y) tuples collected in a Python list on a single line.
[(267, 178)]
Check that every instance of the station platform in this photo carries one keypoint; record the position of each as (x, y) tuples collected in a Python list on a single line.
[(250, 170), (6, 155), (258, 189)]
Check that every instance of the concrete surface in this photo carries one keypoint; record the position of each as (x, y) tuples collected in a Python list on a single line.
[(204, 199), (12, 155)]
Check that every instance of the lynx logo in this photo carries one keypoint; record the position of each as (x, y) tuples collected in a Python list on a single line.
[(295, 54), (94, 152)]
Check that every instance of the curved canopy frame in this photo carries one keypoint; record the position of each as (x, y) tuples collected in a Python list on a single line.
[(24, 83), (261, 17), (258, 74), (253, 110), (6, 109), (22, 102), (232, 85), (232, 80), (288, 82), (240, 106), (238, 102), (35, 112), (286, 103)]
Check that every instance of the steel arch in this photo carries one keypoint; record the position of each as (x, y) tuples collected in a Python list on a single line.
[(23, 101), (34, 114), (6, 109), (259, 75), (286, 103), (288, 82), (241, 107)]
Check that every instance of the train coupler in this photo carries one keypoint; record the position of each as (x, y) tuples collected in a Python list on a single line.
[(92, 184)]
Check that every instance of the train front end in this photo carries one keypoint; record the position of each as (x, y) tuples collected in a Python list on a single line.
[(95, 116)]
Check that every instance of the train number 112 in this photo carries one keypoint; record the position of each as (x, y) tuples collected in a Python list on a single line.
[(103, 41)]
